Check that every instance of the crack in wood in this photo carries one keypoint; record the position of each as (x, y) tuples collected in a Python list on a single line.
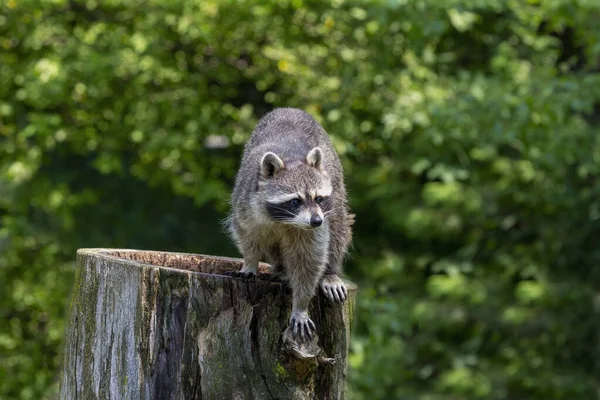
[(255, 346)]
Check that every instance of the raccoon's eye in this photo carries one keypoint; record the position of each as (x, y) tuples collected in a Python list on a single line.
[(294, 203), (319, 199)]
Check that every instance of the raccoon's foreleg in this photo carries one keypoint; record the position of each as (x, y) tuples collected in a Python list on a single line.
[(303, 279), (250, 267), (331, 284), (251, 253), (246, 245)]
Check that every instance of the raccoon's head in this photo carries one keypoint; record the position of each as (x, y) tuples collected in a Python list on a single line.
[(297, 194)]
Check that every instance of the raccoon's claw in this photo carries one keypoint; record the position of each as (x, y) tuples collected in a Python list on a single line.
[(333, 288), (302, 326), (240, 274)]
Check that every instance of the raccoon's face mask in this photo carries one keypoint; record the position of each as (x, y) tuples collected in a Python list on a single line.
[(297, 194)]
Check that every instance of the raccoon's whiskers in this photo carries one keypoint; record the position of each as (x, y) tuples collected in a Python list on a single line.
[(283, 209), (288, 212), (326, 213)]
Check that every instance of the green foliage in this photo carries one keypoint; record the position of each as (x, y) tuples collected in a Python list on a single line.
[(468, 135)]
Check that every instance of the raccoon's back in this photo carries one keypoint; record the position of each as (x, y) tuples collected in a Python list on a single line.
[(289, 133)]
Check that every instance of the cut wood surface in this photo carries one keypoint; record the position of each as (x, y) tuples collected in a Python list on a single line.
[(160, 325)]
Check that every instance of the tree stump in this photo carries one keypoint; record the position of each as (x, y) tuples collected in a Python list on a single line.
[(160, 325)]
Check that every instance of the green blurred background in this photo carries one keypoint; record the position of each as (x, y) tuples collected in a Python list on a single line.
[(468, 132)]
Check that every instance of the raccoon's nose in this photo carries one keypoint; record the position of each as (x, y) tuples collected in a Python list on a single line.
[(315, 220)]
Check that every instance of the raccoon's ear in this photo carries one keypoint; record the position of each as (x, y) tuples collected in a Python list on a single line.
[(270, 165), (315, 157)]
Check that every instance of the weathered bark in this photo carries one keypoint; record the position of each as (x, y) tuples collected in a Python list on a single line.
[(158, 325)]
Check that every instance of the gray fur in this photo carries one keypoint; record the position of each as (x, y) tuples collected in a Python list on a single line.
[(287, 153)]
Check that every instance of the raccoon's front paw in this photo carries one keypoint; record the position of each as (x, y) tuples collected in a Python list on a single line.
[(302, 326), (334, 288), (245, 273)]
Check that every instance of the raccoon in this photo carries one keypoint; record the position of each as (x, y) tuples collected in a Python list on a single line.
[(289, 208)]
